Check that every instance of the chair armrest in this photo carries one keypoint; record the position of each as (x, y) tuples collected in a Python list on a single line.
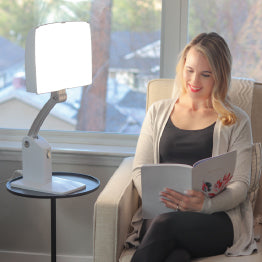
[(113, 211)]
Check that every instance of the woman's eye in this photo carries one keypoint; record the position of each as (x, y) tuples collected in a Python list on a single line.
[(205, 75)]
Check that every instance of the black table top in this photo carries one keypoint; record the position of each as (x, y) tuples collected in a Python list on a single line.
[(91, 183)]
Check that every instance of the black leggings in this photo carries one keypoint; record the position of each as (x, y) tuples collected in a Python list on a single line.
[(180, 236)]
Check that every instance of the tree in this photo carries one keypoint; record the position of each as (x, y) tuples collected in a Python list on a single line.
[(249, 49), (63, 11), (92, 112), (128, 16), (241, 31), (136, 15), (16, 19), (218, 16)]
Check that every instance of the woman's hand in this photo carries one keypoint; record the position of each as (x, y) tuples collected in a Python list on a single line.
[(190, 201)]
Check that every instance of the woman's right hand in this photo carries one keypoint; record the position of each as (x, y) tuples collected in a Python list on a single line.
[(192, 200)]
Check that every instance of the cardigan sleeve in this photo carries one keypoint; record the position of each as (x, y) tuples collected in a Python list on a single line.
[(234, 195), (147, 145), (240, 139), (144, 150)]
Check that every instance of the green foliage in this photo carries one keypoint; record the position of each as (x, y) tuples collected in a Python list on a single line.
[(63, 11), (202, 17), (17, 17), (218, 16), (239, 23), (136, 15)]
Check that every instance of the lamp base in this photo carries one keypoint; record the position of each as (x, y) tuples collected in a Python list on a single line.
[(58, 186)]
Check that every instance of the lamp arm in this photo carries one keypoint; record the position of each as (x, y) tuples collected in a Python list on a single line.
[(56, 97)]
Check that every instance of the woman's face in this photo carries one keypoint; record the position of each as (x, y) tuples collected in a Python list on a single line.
[(197, 75)]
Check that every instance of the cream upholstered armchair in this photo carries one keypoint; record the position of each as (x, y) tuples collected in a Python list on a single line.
[(119, 200)]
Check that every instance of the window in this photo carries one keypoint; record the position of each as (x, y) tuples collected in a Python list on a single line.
[(239, 22), (126, 52), (181, 20)]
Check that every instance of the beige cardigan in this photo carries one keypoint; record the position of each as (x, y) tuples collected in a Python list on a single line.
[(234, 200)]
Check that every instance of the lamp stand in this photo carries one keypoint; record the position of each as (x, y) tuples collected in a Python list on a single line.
[(37, 161)]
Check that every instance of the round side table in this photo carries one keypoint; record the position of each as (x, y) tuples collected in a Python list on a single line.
[(91, 183)]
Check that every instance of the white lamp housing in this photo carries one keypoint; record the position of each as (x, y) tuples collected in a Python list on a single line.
[(57, 57)]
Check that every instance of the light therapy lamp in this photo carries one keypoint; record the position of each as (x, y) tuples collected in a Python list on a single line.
[(57, 56)]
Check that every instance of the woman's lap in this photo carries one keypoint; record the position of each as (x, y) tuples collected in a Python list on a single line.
[(199, 234)]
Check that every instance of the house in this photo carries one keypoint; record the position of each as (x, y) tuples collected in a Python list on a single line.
[(134, 60), (134, 57), (19, 108), (11, 61)]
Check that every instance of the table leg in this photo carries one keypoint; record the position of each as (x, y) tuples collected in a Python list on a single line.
[(53, 229)]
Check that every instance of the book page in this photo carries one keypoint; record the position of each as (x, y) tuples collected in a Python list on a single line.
[(155, 178), (213, 174)]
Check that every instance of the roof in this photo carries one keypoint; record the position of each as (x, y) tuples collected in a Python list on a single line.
[(133, 99), (10, 54), (135, 50)]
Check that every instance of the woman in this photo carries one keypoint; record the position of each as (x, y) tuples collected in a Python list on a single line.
[(198, 122)]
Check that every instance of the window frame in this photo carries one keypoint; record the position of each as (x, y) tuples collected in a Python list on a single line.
[(173, 38)]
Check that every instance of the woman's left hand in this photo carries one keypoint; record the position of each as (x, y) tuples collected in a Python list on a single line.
[(192, 200)]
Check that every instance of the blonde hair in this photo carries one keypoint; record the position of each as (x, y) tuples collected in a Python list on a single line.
[(216, 50)]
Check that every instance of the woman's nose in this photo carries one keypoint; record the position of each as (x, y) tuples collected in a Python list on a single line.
[(195, 80)]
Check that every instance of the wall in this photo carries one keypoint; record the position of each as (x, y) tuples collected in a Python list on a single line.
[(25, 222)]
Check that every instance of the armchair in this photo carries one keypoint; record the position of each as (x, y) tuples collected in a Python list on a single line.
[(119, 200)]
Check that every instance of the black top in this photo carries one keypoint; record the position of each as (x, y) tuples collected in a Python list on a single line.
[(185, 146)]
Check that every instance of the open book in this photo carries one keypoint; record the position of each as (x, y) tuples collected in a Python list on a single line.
[(209, 175)]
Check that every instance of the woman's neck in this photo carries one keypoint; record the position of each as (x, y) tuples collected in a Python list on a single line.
[(195, 104)]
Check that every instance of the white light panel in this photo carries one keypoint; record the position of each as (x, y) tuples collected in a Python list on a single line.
[(61, 55)]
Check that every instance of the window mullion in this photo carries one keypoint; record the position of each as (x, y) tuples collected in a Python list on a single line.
[(173, 34)]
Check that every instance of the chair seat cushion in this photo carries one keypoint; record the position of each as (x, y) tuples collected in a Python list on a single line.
[(127, 255)]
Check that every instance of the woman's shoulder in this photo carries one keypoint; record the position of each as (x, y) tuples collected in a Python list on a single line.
[(162, 104), (242, 120), (240, 113), (159, 110)]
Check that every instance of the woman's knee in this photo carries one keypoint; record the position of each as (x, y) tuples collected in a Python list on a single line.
[(163, 223)]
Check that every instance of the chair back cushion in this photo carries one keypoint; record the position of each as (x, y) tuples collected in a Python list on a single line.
[(158, 89), (255, 173)]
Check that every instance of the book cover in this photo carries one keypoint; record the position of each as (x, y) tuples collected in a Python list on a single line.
[(210, 175)]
